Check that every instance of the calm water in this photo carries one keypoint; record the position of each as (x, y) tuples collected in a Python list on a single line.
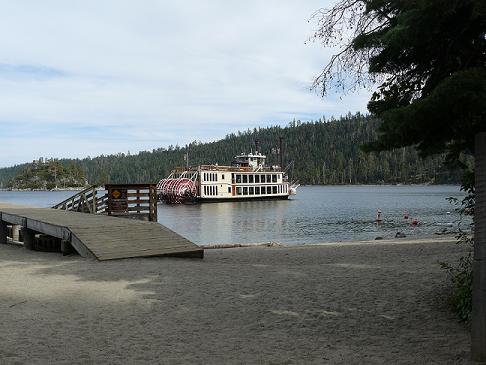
[(316, 214)]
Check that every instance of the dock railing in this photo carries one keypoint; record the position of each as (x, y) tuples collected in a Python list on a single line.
[(137, 201), (86, 201)]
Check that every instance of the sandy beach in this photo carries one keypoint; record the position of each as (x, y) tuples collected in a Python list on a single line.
[(340, 303)]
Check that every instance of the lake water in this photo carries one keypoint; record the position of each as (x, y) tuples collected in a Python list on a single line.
[(316, 214)]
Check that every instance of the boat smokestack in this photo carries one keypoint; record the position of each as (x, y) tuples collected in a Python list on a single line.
[(280, 149), (257, 146)]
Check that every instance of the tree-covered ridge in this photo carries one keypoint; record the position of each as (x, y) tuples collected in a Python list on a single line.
[(48, 175), (322, 152)]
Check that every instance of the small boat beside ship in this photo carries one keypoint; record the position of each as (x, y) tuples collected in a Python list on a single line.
[(248, 178)]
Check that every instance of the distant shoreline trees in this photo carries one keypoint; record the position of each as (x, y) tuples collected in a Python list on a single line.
[(321, 152)]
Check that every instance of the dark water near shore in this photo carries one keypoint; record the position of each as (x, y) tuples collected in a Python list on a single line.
[(316, 214)]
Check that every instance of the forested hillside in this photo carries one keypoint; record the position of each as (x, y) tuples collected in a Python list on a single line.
[(322, 152), (49, 175)]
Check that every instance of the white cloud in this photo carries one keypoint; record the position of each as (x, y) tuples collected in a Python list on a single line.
[(114, 76)]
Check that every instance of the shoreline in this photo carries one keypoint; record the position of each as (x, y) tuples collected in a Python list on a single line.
[(449, 238), (46, 190)]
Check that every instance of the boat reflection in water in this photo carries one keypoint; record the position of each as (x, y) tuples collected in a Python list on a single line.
[(229, 222)]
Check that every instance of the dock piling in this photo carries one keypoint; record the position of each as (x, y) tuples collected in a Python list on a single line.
[(29, 238), (3, 231), (16, 232), (66, 247)]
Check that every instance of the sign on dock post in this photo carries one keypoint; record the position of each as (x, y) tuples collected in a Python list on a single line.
[(119, 200)]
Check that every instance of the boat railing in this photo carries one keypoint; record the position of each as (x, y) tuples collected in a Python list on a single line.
[(238, 169)]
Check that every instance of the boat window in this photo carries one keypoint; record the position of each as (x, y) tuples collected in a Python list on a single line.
[(222, 177), (215, 177), (238, 190), (263, 178), (250, 179), (229, 189), (233, 178), (216, 190), (269, 178), (245, 179), (257, 189), (204, 190), (274, 178), (238, 178), (257, 178), (245, 190), (274, 188), (251, 190), (269, 190)]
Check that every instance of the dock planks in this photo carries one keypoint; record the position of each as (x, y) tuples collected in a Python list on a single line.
[(100, 236)]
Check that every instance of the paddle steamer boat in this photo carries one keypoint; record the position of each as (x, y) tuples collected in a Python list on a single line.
[(248, 178)]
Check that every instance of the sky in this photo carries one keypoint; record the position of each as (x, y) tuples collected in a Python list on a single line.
[(85, 78)]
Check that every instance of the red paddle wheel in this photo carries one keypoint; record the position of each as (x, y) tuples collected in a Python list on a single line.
[(176, 190)]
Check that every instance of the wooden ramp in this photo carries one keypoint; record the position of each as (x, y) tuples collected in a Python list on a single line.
[(99, 236)]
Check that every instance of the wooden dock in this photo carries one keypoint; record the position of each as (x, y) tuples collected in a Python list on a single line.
[(97, 236)]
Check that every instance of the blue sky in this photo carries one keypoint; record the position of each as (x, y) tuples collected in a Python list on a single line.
[(81, 78)]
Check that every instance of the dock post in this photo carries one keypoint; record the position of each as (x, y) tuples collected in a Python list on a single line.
[(29, 238), (15, 232), (66, 247), (3, 230)]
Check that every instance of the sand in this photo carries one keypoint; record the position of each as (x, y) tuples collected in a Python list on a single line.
[(369, 303)]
